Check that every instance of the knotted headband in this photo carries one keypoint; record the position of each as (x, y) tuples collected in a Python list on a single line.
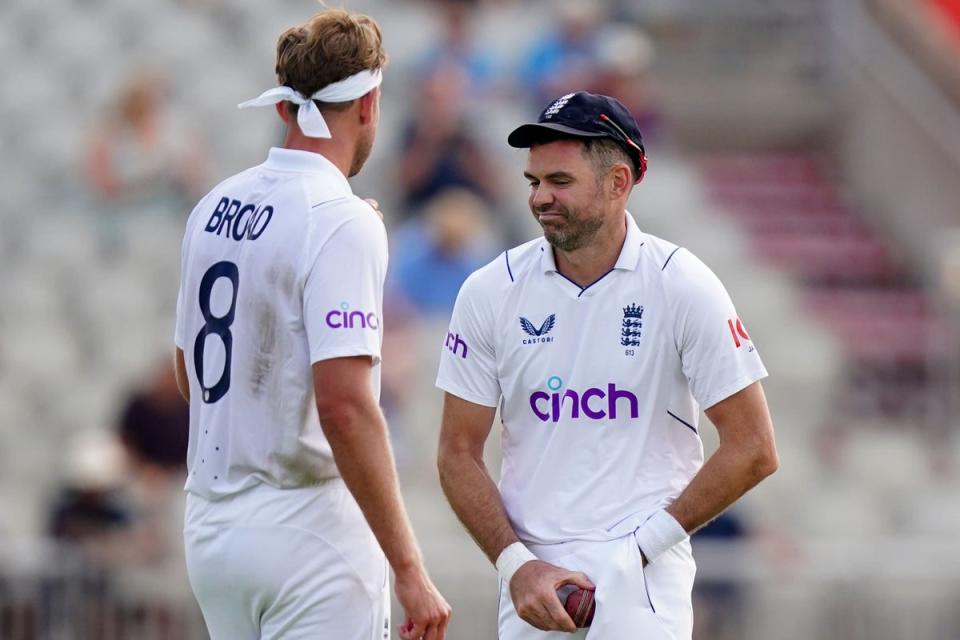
[(308, 115)]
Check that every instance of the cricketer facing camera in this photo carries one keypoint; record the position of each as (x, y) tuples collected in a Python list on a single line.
[(600, 343), (293, 506)]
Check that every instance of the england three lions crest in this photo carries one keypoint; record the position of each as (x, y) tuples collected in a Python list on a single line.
[(632, 325)]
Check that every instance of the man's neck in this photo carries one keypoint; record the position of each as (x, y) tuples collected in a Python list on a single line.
[(336, 151), (588, 264)]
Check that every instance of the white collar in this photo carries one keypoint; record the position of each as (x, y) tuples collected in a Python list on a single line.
[(281, 159), (629, 254)]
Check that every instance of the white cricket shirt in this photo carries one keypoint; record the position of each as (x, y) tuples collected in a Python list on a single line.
[(282, 266), (600, 388)]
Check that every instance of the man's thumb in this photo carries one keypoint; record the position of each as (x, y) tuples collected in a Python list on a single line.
[(579, 579)]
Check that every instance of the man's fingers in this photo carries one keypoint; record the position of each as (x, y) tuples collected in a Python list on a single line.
[(557, 615), (376, 206), (411, 630), (579, 579)]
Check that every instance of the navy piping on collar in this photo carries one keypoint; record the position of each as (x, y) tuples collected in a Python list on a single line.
[(582, 289), (683, 422), (668, 259), (506, 255)]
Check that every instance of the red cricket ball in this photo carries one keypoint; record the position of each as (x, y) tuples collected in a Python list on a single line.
[(581, 607)]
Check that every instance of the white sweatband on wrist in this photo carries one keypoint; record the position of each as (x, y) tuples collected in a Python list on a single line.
[(660, 532), (512, 558)]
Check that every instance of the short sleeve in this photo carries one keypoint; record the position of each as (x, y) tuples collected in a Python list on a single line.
[(716, 352), (180, 327), (343, 290), (468, 367)]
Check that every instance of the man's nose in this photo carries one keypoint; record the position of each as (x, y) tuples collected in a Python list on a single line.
[(542, 195)]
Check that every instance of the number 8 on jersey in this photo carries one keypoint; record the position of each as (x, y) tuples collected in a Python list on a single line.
[(219, 326)]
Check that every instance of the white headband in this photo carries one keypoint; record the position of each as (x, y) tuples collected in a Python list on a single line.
[(308, 115)]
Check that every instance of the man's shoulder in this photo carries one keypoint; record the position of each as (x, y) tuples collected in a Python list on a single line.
[(681, 273), (504, 271), (676, 264)]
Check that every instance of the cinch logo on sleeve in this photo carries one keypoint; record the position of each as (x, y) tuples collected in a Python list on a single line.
[(456, 344), (343, 318), (594, 403)]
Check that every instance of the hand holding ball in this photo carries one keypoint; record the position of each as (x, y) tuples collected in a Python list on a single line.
[(580, 606)]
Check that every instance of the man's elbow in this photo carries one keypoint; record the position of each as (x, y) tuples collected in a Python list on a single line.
[(766, 461), (338, 414), (451, 457), (446, 455)]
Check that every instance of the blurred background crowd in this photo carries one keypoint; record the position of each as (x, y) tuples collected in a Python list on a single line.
[(807, 150)]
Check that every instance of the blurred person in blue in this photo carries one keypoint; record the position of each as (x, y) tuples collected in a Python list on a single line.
[(435, 253), (566, 58), (456, 46), (294, 515), (438, 149), (140, 156), (718, 604)]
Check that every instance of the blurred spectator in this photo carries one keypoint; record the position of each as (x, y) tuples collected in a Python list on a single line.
[(155, 424), (625, 55), (564, 60), (435, 254), (124, 544), (438, 151), (90, 507), (719, 604), (138, 156), (456, 47)]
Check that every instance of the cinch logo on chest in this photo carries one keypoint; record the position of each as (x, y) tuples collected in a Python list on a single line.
[(539, 336), (594, 403)]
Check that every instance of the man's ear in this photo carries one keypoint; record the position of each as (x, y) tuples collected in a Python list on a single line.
[(282, 111), (621, 178), (368, 105)]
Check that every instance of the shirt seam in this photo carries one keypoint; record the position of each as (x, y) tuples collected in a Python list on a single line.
[(739, 384), (465, 394)]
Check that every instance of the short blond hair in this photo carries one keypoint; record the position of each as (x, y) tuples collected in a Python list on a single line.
[(332, 45)]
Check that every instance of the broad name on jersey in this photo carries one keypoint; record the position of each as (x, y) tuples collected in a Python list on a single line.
[(235, 220)]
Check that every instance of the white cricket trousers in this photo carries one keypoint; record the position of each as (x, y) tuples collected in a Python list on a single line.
[(633, 602), (295, 564)]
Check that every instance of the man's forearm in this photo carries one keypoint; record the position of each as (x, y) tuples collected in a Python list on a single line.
[(476, 501), (362, 452), (729, 473)]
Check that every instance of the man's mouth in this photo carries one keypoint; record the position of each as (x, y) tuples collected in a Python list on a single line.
[(550, 216)]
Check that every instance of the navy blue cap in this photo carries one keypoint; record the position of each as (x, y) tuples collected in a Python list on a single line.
[(585, 115)]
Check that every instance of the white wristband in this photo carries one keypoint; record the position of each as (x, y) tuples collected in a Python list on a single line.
[(512, 558), (660, 532)]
